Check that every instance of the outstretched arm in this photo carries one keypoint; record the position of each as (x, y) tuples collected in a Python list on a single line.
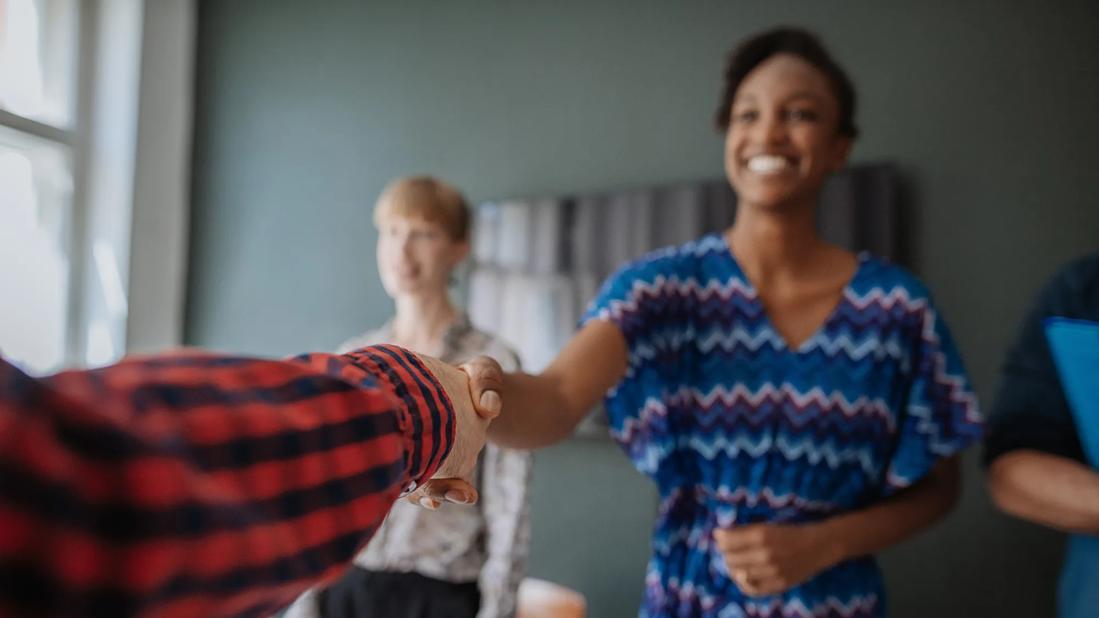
[(199, 484), (543, 409)]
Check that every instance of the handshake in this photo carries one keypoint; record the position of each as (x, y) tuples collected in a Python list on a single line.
[(474, 389)]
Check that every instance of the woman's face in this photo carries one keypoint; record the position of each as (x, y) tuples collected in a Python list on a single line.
[(416, 256), (783, 137)]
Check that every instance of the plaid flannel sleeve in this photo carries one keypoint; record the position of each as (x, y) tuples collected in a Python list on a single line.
[(196, 484)]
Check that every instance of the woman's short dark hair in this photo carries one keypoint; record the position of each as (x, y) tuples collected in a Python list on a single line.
[(801, 43)]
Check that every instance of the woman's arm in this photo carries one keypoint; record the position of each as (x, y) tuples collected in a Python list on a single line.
[(543, 409), (1047, 489), (769, 558), (870, 530), (538, 410)]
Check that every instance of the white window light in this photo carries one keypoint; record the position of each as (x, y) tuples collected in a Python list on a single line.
[(38, 59)]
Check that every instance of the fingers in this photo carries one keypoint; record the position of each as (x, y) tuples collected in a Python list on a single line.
[(755, 573), (752, 571), (750, 560), (739, 538), (743, 581), (765, 559), (435, 492), (755, 557), (758, 580), (759, 587), (486, 382)]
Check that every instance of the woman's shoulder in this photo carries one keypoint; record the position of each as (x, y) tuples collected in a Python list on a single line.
[(1078, 278), (681, 260), (879, 276), (477, 342)]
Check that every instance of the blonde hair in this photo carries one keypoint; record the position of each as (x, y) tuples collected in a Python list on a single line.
[(427, 198)]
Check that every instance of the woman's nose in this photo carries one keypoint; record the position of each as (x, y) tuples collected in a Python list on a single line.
[(770, 129)]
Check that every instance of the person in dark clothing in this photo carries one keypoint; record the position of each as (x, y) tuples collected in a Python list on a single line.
[(1036, 466)]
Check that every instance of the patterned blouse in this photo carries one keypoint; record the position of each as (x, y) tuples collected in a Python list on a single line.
[(488, 543), (736, 427)]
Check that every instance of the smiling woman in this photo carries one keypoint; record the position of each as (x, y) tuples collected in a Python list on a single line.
[(782, 139), (798, 406)]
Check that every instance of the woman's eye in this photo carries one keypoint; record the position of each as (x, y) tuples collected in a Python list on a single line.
[(747, 115), (802, 115)]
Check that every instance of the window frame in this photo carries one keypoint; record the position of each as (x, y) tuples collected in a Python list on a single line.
[(69, 138)]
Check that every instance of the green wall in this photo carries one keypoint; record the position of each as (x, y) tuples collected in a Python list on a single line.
[(304, 110)]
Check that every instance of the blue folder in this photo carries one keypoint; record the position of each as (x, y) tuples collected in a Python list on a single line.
[(1075, 347)]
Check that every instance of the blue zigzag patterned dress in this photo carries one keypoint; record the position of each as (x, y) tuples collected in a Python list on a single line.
[(735, 427)]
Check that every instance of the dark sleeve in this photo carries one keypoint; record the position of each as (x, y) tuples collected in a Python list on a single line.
[(202, 485), (1030, 410)]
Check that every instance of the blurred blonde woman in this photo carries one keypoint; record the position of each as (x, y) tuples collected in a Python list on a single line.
[(458, 561)]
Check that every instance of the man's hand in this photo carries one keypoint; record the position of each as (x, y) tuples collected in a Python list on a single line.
[(478, 380), (768, 559)]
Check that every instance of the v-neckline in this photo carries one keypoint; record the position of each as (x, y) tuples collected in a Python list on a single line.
[(804, 346)]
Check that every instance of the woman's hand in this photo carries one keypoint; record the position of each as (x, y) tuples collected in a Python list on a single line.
[(766, 559), (770, 558)]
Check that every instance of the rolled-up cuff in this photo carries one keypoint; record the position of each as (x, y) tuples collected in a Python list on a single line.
[(426, 416), (1042, 435)]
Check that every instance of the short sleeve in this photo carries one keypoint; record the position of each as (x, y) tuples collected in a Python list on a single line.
[(1030, 410), (940, 416), (642, 300)]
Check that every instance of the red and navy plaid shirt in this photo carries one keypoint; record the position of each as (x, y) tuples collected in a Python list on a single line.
[(195, 484)]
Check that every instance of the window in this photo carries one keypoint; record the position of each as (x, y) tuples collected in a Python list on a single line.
[(35, 207), (38, 59), (78, 80), (38, 78)]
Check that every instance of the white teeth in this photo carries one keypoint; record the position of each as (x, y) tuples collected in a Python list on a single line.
[(767, 164)]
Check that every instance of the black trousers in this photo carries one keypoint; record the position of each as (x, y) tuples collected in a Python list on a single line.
[(371, 594)]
